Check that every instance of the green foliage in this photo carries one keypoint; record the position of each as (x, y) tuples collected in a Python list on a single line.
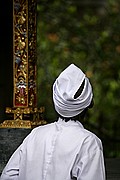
[(87, 34)]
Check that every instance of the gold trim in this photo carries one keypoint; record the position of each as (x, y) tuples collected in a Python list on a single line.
[(24, 113), (21, 124), (18, 121), (15, 124)]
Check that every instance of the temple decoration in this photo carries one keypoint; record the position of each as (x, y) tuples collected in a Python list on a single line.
[(25, 112)]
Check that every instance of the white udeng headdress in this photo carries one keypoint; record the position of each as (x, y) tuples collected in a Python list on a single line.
[(64, 89)]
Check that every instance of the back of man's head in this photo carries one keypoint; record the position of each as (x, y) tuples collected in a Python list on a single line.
[(72, 92)]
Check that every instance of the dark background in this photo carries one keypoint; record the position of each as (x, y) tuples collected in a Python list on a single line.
[(6, 57)]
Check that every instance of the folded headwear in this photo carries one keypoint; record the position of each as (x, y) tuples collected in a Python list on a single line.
[(64, 89)]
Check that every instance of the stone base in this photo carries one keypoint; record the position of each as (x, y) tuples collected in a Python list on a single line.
[(10, 139)]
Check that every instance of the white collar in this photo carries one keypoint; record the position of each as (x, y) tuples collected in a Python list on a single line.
[(69, 123)]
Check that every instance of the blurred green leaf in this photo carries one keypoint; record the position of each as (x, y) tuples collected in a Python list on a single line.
[(87, 34)]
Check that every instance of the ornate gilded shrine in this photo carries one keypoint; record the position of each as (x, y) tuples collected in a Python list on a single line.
[(24, 111)]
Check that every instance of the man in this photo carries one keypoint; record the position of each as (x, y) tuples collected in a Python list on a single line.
[(62, 150)]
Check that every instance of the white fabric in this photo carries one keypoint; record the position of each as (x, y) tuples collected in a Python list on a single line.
[(64, 89), (57, 151)]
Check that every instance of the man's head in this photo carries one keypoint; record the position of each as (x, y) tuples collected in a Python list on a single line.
[(72, 92)]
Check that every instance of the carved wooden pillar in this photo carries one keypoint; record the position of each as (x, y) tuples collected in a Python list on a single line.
[(25, 112)]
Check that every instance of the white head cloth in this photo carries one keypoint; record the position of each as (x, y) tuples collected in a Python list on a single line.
[(64, 89)]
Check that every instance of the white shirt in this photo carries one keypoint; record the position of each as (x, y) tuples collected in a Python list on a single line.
[(57, 151)]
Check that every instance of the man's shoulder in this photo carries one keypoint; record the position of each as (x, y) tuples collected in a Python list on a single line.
[(40, 131), (43, 128), (92, 138)]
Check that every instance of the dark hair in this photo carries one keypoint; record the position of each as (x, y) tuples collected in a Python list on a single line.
[(79, 91)]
